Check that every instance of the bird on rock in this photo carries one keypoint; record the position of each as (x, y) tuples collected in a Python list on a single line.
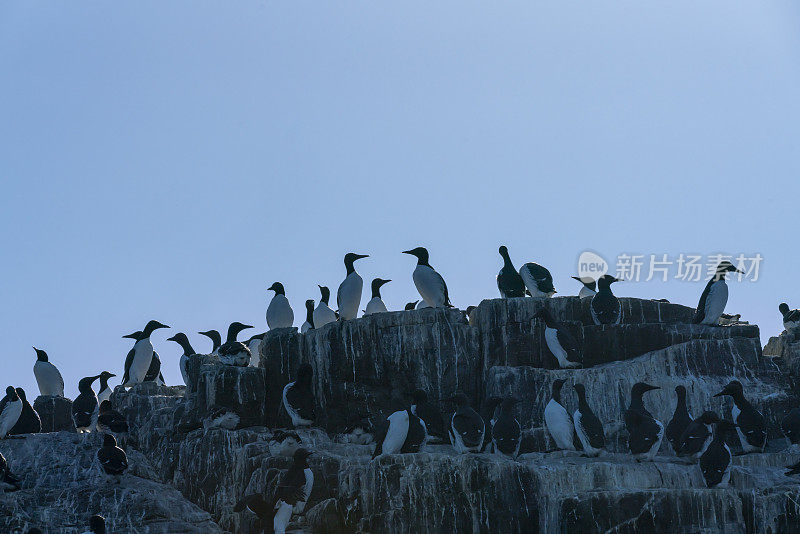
[(509, 281), (279, 311), (254, 344), (715, 462), (298, 397), (506, 431), (309, 322), (105, 390), (605, 307), (410, 306), (489, 413), (139, 359), (681, 419), (790, 426), (47, 375), (695, 439), (323, 314), (538, 280), (348, 297), (109, 420), (791, 318), (97, 525), (557, 420), (376, 305), (645, 432), (467, 429), (588, 427), (85, 407), (28, 422), (181, 339), (589, 288), (113, 460), (429, 283), (715, 296), (216, 340), (10, 411), (234, 352), (750, 424), (8, 481), (401, 432), (560, 342), (429, 413)]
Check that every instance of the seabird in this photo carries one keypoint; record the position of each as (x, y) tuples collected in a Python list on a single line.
[(645, 432), (105, 391), (470, 311), (97, 525), (154, 372), (538, 280), (680, 421), (791, 318), (422, 304), (47, 375), (560, 342), (323, 314), (506, 432), (489, 413), (589, 288), (429, 413), (28, 422), (430, 284), (411, 305), (467, 429), (605, 307), (181, 339), (234, 352), (750, 424), (715, 462), (10, 410), (139, 359), (509, 281), (85, 406), (790, 425), (110, 420), (557, 420), (279, 311), (284, 443), (8, 481), (401, 432), (587, 426), (215, 338), (715, 296), (112, 459), (695, 439), (376, 305), (298, 397), (348, 298), (254, 344), (309, 323)]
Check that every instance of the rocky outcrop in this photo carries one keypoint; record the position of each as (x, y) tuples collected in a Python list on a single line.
[(55, 413)]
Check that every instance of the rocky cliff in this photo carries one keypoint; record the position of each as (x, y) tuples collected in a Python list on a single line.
[(186, 476)]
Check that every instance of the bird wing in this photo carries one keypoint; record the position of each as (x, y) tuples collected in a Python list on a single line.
[(692, 439), (593, 429), (542, 277), (565, 339), (128, 363), (701, 306), (470, 425), (751, 424), (380, 435), (792, 316)]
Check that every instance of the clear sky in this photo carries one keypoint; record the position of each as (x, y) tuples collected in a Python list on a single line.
[(170, 160)]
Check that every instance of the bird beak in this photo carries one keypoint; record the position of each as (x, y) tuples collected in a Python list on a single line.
[(248, 326), (654, 387), (129, 336), (578, 278), (359, 256), (720, 394), (739, 271), (407, 252)]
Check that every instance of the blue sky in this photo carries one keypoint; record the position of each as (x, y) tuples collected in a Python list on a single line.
[(170, 160)]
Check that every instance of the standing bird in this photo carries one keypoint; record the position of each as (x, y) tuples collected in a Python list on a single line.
[(509, 281), (234, 352), (323, 314), (85, 407), (97, 525), (105, 390), (47, 376), (279, 311), (467, 429), (557, 420), (429, 413), (680, 421), (139, 359), (587, 426), (113, 460), (790, 426), (750, 424), (348, 298), (589, 288), (28, 422), (645, 432), (410, 306), (10, 411), (254, 345), (715, 296), (376, 305), (791, 318), (110, 420), (309, 323), (181, 339), (298, 397), (430, 284), (401, 432), (715, 462), (506, 432), (695, 439), (490, 413), (560, 342), (215, 338), (538, 280), (8, 481), (605, 307)]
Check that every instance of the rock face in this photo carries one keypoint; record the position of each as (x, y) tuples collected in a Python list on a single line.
[(366, 368), (55, 413)]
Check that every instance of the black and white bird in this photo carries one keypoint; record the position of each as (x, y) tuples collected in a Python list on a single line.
[(557, 420), (216, 340), (154, 373), (97, 525), (429, 283), (8, 481), (467, 428), (279, 311), (348, 297), (509, 281), (28, 422), (605, 307), (323, 314), (401, 432), (309, 322), (506, 431), (489, 413), (85, 407), (588, 427), (254, 344), (695, 439), (793, 470), (139, 359), (422, 304), (298, 397), (538, 280), (645, 432), (181, 339), (429, 413), (589, 288), (47, 375), (715, 296), (560, 342), (234, 352), (681, 419), (715, 462), (10, 411), (113, 460), (411, 306), (790, 426), (471, 315), (110, 420), (750, 424), (375, 304), (105, 389), (791, 318)]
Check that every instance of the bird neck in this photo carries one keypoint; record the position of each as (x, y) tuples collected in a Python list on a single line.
[(636, 402), (507, 261), (739, 400), (376, 292), (348, 264), (187, 347), (233, 332), (310, 316)]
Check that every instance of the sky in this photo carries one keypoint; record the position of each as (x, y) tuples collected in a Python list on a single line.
[(171, 160)]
